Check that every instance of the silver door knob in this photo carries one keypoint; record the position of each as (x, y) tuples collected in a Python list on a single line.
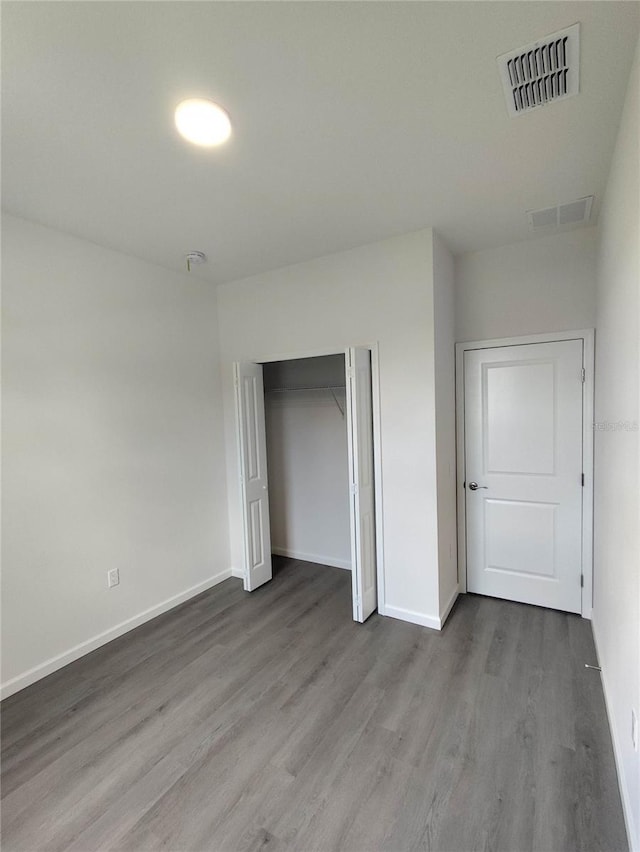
[(473, 486)]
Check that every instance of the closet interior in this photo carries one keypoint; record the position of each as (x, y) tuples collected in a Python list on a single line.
[(307, 459)]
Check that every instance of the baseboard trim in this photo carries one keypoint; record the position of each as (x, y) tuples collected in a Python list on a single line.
[(436, 623), (312, 557), (410, 615), (60, 660), (445, 612), (632, 836), (237, 572)]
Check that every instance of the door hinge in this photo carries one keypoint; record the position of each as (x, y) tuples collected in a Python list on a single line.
[(582, 480), (582, 581), (354, 489), (584, 374)]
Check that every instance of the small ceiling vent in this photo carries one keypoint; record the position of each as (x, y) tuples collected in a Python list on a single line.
[(545, 71), (573, 213)]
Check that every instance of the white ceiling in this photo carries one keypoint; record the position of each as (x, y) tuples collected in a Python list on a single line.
[(352, 122)]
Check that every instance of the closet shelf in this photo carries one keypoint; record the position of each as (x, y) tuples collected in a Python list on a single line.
[(331, 388), (306, 388)]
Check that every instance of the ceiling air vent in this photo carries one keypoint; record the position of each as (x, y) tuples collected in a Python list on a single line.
[(573, 213), (542, 72)]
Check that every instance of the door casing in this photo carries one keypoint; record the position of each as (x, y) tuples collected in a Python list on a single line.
[(588, 338), (377, 452)]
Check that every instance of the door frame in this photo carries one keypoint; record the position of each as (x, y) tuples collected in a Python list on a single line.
[(377, 432), (587, 336)]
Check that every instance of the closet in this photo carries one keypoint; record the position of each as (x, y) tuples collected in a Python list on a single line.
[(307, 459), (324, 500)]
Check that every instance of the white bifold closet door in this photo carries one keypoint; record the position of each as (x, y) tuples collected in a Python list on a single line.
[(362, 502), (254, 485), (253, 473)]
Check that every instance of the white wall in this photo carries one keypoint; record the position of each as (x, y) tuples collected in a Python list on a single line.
[(444, 335), (113, 447), (377, 293), (308, 476), (616, 607), (540, 285)]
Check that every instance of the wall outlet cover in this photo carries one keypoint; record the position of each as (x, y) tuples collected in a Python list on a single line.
[(113, 577)]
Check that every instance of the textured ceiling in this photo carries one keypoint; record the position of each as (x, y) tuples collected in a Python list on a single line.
[(352, 122)]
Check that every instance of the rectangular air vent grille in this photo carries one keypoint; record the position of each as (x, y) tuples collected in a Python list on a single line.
[(542, 72), (572, 213)]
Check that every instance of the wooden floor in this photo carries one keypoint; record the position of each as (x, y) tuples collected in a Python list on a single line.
[(272, 721)]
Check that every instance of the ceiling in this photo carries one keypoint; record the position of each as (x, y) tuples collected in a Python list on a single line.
[(352, 121)]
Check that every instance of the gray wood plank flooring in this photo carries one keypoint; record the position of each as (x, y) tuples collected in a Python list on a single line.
[(272, 721)]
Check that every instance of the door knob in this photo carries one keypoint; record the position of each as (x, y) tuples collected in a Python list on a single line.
[(473, 486)]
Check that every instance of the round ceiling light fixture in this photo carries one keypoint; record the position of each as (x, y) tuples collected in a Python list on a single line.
[(202, 122)]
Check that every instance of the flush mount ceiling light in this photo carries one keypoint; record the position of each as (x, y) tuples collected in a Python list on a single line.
[(202, 122)]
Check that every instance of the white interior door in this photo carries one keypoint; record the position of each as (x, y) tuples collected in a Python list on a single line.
[(253, 475), (523, 469), (362, 503)]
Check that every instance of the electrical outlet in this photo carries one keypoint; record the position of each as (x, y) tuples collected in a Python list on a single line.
[(113, 577), (634, 729)]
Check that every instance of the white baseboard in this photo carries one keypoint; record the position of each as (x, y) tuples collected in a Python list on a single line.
[(237, 572), (435, 622), (445, 612), (632, 834), (410, 615), (312, 557), (54, 663)]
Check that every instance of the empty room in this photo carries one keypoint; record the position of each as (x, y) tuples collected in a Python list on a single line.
[(320, 422)]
